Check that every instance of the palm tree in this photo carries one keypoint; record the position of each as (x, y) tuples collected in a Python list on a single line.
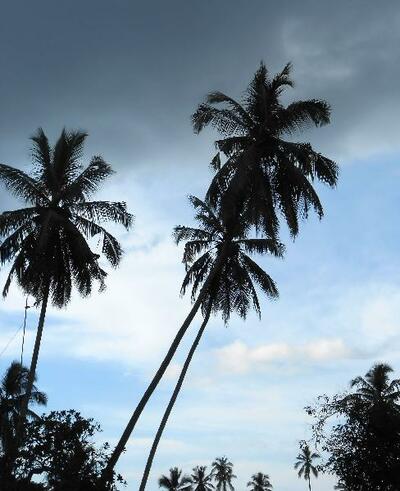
[(47, 240), (377, 386), (231, 290), (175, 481), (223, 279), (305, 464), (259, 482), (264, 169), (222, 470), (13, 388), (201, 481)]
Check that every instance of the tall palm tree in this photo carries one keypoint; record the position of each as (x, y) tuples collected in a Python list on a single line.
[(223, 278), (201, 481), (46, 241), (264, 168), (175, 481), (222, 470), (13, 388), (233, 289), (377, 386), (259, 482), (304, 462), (263, 171)]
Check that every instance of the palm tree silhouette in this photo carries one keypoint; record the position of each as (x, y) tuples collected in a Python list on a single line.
[(13, 388), (305, 464), (223, 280), (175, 481), (222, 470), (377, 387), (201, 481), (269, 173), (259, 482), (47, 241), (231, 290), (263, 172)]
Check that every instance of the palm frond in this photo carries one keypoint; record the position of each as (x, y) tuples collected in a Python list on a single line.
[(88, 181), (22, 186), (265, 282), (104, 211), (12, 220), (303, 114)]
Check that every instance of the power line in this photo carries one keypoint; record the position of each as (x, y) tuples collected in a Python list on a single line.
[(22, 326), (10, 341)]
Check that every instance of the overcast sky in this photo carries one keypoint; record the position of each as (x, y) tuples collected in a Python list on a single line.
[(131, 74)]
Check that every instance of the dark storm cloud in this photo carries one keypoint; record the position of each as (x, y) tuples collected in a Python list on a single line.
[(132, 72)]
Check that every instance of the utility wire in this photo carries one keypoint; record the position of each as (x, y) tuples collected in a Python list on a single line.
[(23, 326)]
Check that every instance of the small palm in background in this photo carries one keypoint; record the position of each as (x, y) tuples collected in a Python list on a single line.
[(13, 389), (259, 482), (175, 481), (305, 464), (46, 241), (222, 470), (201, 480)]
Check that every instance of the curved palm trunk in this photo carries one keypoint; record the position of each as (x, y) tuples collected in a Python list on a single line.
[(108, 470), (172, 401), (34, 361), (309, 483)]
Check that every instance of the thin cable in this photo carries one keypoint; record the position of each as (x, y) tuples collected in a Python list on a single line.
[(10, 341), (14, 335)]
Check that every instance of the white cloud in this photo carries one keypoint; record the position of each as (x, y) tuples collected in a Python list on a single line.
[(238, 357)]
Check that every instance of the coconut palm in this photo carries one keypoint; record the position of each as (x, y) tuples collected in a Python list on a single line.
[(377, 386), (13, 388), (232, 290), (46, 241), (305, 464), (259, 482), (175, 481), (223, 278), (222, 470), (201, 481), (264, 168)]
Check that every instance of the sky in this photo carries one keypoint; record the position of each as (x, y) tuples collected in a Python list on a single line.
[(131, 74)]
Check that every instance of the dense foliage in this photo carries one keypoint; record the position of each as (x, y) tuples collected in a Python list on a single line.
[(360, 432)]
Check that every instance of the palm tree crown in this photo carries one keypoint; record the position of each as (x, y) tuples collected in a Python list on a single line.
[(259, 482), (47, 240), (304, 462), (232, 289), (222, 470), (263, 168), (175, 481), (12, 390), (201, 480), (377, 386)]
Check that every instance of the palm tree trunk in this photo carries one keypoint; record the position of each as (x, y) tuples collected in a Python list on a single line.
[(108, 470), (309, 483), (34, 361), (172, 401)]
